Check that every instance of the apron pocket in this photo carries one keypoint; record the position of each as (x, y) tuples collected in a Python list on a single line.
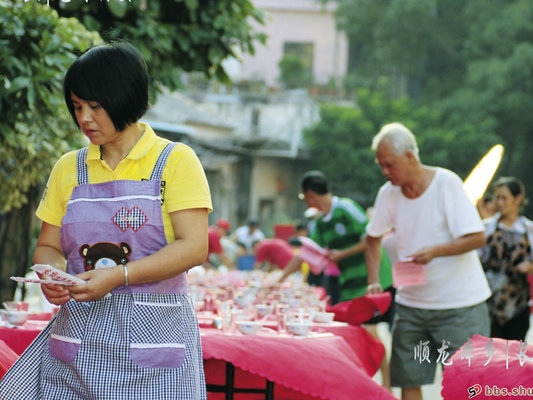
[(157, 332), (68, 330), (158, 356), (63, 348)]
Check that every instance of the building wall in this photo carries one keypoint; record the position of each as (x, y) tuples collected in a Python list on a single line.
[(296, 21), (252, 172), (223, 187), (274, 188)]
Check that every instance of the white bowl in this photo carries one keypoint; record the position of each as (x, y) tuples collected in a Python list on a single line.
[(324, 317), (249, 327), (15, 317), (244, 300), (263, 310), (16, 305), (299, 328), (294, 302)]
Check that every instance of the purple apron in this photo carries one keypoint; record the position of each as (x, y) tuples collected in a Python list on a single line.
[(107, 224), (141, 341)]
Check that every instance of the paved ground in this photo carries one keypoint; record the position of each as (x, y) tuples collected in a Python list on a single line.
[(430, 392)]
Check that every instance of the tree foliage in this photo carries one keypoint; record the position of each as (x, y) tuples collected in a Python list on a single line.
[(39, 39), (466, 61), (340, 142), (174, 35), (294, 73), (36, 49)]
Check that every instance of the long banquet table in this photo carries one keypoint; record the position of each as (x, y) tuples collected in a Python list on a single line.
[(324, 365), (335, 362)]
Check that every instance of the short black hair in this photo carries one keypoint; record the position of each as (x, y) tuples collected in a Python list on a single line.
[(315, 181), (295, 242), (515, 185), (300, 226), (116, 76)]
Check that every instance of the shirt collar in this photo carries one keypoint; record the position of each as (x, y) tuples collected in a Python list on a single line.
[(334, 202), (141, 148)]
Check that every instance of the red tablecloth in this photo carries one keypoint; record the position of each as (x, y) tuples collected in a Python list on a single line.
[(7, 358), (332, 367), (19, 338), (359, 310), (498, 368), (368, 349), (322, 367)]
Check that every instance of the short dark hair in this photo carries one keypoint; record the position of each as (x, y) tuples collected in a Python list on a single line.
[(515, 185), (315, 181), (301, 226), (116, 76), (295, 242)]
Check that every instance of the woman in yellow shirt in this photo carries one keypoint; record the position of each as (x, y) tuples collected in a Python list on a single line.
[(127, 214)]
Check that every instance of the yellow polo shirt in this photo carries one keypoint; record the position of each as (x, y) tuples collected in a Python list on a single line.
[(185, 184)]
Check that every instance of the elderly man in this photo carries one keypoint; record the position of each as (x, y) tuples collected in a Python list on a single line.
[(435, 225)]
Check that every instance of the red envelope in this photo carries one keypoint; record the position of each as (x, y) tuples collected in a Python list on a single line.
[(316, 257), (408, 274)]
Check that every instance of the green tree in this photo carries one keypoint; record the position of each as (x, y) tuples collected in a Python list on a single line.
[(340, 142), (499, 79), (36, 49), (294, 73), (421, 40), (174, 35), (37, 46), (468, 60)]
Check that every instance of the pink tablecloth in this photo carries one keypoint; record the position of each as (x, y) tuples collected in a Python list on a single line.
[(19, 338), (359, 310), (7, 358), (498, 368), (322, 367), (335, 367)]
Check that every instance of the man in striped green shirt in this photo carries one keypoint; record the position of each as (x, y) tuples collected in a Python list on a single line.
[(341, 229)]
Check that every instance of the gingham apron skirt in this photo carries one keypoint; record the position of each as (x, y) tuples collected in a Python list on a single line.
[(139, 342)]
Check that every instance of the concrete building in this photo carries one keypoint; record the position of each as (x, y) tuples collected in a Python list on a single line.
[(250, 173), (305, 28), (250, 141)]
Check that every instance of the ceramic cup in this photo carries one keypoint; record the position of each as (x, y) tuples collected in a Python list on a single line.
[(249, 327), (299, 328), (14, 317), (324, 317)]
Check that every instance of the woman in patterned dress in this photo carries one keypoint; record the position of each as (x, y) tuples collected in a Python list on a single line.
[(507, 259), (127, 214)]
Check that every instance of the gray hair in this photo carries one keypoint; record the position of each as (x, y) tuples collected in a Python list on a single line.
[(399, 136)]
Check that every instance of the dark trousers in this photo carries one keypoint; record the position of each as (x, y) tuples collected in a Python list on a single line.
[(514, 329), (330, 283)]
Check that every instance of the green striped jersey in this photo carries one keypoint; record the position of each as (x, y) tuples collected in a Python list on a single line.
[(343, 227)]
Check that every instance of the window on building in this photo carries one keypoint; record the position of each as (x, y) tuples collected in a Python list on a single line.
[(304, 50), (296, 66)]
